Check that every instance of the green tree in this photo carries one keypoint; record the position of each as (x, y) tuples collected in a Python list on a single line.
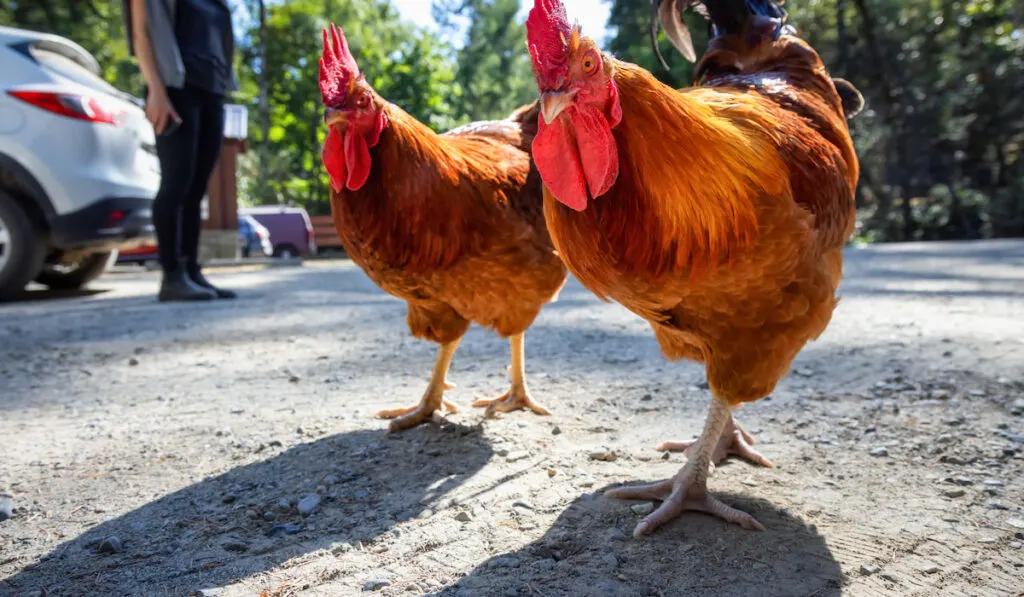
[(493, 72)]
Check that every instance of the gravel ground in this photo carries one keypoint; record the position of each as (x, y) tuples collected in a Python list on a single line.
[(167, 450)]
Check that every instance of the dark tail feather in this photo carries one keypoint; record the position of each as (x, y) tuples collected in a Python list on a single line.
[(667, 14), (736, 17), (728, 17)]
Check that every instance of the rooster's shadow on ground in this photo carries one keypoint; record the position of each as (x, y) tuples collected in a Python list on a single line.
[(589, 552), (234, 525)]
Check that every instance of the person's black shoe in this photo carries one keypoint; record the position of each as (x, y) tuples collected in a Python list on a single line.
[(197, 276), (177, 286)]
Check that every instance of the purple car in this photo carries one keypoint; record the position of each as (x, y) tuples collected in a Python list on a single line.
[(291, 232)]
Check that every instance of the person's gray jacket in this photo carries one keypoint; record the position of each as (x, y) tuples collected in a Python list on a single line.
[(161, 15)]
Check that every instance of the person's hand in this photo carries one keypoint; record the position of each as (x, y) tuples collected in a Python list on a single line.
[(159, 110)]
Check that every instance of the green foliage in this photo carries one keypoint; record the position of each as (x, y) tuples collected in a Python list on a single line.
[(493, 67), (96, 25)]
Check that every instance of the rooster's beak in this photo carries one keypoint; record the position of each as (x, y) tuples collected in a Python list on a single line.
[(553, 103), (334, 116)]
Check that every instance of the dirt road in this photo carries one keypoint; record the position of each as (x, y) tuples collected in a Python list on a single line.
[(160, 450)]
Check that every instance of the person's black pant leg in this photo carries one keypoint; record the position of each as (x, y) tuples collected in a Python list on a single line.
[(211, 137), (177, 154)]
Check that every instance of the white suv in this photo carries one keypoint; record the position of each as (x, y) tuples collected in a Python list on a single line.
[(78, 165)]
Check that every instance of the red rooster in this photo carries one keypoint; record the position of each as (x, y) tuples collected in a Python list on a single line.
[(718, 213), (453, 224)]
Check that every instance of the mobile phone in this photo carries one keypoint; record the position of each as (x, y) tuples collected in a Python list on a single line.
[(171, 126)]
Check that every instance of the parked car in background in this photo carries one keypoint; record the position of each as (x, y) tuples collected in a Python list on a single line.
[(78, 165), (291, 231), (253, 238)]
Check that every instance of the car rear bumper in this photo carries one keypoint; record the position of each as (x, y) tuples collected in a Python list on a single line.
[(105, 225)]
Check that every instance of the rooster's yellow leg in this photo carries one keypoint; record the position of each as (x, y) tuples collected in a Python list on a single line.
[(433, 398), (518, 395), (688, 490), (734, 440)]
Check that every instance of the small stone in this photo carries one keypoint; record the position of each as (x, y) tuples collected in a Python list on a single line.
[(376, 584), (954, 493), (463, 516), (618, 535), (870, 429), (552, 472), (293, 379), (308, 504), (236, 546), (523, 504), (932, 569), (609, 562), (759, 566), (961, 480), (284, 529), (340, 548), (111, 545), (888, 577), (604, 455), (642, 509), (987, 540), (749, 482), (229, 498), (805, 372), (869, 569), (995, 506), (209, 592), (1016, 545), (546, 564), (511, 592), (506, 562), (556, 430), (879, 452), (6, 506), (517, 456), (1016, 523), (133, 362), (275, 443)]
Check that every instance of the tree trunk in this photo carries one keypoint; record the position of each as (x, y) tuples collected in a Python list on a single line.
[(842, 42), (264, 97)]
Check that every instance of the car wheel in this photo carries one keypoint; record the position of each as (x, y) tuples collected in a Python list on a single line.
[(286, 252), (21, 248), (75, 273)]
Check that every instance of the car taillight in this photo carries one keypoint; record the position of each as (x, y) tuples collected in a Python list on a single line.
[(72, 105)]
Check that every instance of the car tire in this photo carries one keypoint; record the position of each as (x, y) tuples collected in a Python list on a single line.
[(285, 252), (22, 249), (85, 270)]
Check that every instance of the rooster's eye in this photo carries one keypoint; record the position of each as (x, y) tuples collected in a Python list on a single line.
[(589, 64), (363, 101)]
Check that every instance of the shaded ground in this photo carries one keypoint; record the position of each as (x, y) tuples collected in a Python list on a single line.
[(192, 432)]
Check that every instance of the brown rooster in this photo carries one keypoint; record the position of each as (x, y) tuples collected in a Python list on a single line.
[(718, 213), (453, 224)]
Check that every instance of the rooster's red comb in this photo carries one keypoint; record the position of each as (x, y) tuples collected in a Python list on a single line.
[(337, 67), (547, 36)]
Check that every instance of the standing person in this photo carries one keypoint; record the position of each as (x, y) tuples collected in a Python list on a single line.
[(185, 50)]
